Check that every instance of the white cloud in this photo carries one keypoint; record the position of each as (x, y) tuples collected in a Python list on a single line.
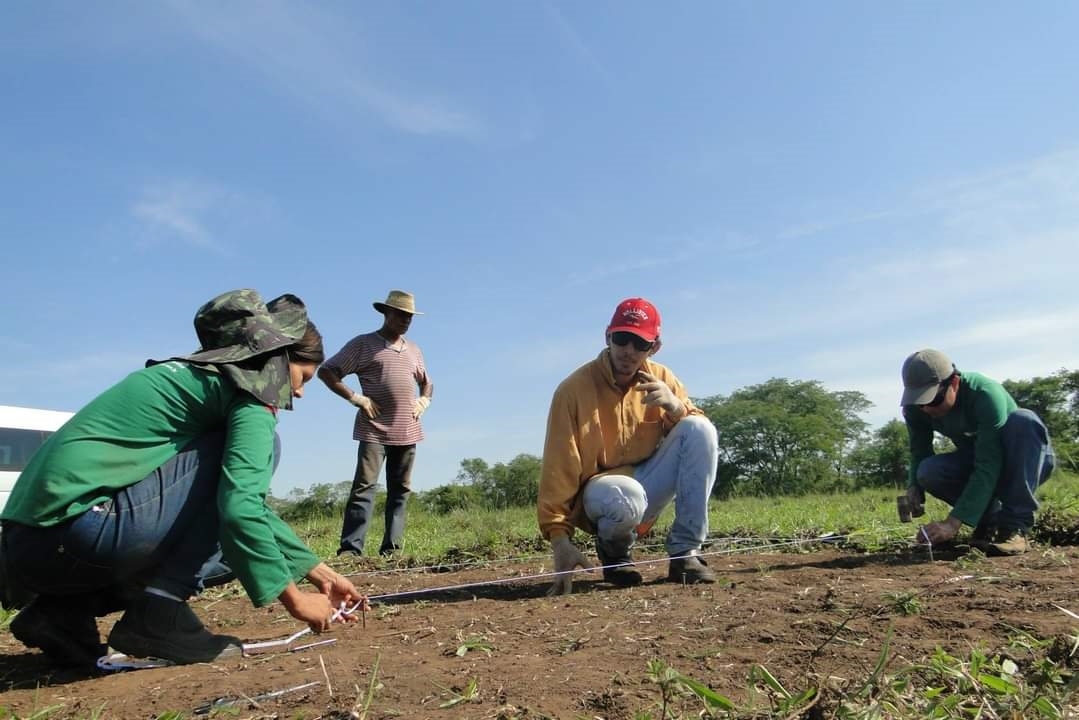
[(312, 57), (179, 210)]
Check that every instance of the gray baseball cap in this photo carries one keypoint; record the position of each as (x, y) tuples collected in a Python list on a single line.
[(923, 372)]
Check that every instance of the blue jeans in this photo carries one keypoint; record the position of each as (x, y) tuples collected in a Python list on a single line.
[(161, 532), (361, 498), (682, 469), (1028, 462)]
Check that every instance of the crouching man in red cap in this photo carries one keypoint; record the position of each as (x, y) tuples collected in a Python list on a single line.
[(623, 441)]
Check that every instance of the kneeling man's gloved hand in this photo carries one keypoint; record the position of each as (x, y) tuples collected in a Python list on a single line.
[(566, 558), (659, 394)]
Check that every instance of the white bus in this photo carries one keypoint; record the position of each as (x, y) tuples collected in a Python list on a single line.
[(22, 432)]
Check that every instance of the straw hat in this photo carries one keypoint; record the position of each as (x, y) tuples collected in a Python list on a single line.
[(398, 300)]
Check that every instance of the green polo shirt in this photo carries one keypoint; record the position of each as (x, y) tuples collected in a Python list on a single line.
[(140, 423), (974, 424)]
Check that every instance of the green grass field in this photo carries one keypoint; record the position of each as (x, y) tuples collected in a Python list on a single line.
[(867, 518)]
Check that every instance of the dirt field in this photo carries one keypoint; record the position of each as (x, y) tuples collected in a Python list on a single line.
[(815, 619)]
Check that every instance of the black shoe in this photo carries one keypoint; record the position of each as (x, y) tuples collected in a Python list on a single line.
[(690, 569), (158, 627), (387, 550), (617, 565), (983, 535), (349, 552), (63, 631)]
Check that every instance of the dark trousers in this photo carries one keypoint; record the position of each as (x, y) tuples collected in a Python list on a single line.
[(160, 532), (361, 499), (1028, 462)]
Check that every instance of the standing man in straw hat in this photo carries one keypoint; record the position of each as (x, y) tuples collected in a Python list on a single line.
[(623, 441), (390, 370), (1002, 453)]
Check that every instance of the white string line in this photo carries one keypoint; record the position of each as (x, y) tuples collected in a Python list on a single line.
[(270, 645), (554, 574), (513, 559)]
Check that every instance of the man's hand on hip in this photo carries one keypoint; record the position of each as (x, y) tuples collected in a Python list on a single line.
[(369, 407), (566, 558), (659, 394), (420, 406)]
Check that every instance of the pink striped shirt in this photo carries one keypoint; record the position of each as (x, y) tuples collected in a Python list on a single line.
[(389, 376)]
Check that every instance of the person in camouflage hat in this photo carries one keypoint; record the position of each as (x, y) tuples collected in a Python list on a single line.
[(156, 489)]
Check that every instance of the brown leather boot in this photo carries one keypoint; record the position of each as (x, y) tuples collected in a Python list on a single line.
[(690, 569), (617, 569)]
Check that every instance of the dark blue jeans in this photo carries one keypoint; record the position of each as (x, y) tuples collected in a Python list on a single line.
[(161, 532), (361, 499), (1028, 462)]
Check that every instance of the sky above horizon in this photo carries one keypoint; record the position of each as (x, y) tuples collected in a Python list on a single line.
[(805, 190)]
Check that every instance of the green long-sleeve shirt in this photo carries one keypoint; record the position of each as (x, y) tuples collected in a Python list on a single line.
[(974, 424), (139, 424)]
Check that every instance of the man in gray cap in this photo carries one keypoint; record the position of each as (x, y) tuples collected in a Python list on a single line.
[(1002, 453), (391, 369)]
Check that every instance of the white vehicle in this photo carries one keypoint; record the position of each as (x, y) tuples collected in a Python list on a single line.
[(22, 432)]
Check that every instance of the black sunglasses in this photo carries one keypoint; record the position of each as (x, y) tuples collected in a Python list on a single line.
[(623, 338), (940, 394)]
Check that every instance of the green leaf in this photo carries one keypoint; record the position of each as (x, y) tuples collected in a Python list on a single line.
[(997, 685), (706, 693)]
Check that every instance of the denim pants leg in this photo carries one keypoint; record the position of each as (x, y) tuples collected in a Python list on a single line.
[(615, 504), (683, 468), (944, 475), (399, 460), (1028, 462), (160, 532), (361, 498)]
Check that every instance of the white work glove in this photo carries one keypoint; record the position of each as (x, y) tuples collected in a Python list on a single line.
[(369, 407), (418, 407), (658, 394), (566, 558)]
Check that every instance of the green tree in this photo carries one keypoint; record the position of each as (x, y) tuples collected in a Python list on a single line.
[(503, 485), (881, 459), (784, 436)]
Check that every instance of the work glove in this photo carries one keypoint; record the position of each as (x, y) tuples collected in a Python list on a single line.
[(420, 406), (566, 558), (659, 394), (369, 407)]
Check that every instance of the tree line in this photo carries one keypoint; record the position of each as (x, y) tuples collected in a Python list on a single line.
[(781, 437)]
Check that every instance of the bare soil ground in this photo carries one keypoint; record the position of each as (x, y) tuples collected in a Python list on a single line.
[(815, 619)]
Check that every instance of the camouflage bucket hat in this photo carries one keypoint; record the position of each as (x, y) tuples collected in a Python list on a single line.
[(241, 337)]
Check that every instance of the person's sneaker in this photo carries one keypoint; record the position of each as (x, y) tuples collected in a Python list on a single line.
[(690, 569), (158, 627), (1008, 541), (66, 633), (617, 565)]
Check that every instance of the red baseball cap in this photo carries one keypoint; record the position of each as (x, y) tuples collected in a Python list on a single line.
[(638, 316)]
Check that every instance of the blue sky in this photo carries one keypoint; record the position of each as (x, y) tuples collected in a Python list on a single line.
[(805, 190)]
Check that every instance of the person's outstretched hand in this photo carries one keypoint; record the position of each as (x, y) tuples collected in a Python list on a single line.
[(938, 532), (566, 557)]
